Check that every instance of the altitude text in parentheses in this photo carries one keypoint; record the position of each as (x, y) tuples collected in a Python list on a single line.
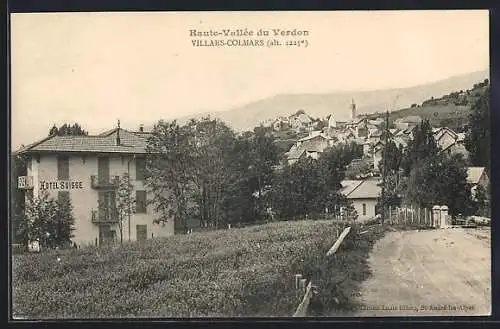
[(273, 43)]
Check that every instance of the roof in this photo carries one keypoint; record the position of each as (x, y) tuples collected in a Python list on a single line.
[(474, 174), (315, 148), (365, 189), (410, 119), (314, 135), (444, 130), (295, 152), (400, 141), (349, 185), (460, 137), (130, 142), (304, 118)]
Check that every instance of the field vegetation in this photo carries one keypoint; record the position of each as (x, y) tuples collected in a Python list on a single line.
[(239, 272)]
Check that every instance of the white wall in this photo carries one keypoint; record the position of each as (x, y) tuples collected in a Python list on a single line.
[(370, 208), (84, 200)]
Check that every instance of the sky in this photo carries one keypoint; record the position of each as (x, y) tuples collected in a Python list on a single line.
[(96, 68)]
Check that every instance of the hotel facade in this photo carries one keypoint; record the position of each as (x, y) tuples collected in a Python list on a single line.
[(87, 169)]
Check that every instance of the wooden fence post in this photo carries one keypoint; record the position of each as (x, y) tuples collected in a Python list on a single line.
[(337, 243), (302, 308), (298, 277), (303, 285)]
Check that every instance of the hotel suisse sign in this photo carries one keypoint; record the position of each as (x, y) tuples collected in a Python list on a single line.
[(61, 185)]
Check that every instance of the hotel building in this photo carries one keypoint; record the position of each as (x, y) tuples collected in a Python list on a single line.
[(87, 169)]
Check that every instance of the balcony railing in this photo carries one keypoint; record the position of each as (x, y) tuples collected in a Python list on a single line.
[(25, 182), (111, 182), (104, 217)]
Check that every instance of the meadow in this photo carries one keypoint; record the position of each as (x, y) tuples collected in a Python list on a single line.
[(246, 272)]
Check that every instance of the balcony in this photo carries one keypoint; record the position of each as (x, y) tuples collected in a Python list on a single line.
[(25, 182), (97, 182), (104, 217)]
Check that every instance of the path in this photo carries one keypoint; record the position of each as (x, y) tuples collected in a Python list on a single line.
[(422, 273)]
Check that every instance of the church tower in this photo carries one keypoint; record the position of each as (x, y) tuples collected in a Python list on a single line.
[(353, 109)]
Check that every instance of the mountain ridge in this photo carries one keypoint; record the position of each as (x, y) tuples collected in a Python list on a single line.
[(249, 115)]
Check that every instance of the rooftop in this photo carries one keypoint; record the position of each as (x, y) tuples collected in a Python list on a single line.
[(130, 142), (474, 174), (361, 189)]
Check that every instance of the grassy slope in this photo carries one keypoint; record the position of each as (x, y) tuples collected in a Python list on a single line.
[(436, 113), (241, 272)]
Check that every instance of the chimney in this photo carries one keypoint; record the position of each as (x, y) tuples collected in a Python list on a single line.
[(141, 128), (118, 134)]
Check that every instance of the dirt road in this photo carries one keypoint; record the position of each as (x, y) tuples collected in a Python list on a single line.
[(422, 273)]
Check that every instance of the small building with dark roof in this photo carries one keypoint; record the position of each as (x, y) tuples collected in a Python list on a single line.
[(364, 195)]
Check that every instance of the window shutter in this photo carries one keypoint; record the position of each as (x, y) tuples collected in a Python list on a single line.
[(141, 202), (63, 168), (140, 168)]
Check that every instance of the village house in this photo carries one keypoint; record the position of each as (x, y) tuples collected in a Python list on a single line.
[(376, 122), (477, 176), (364, 195), (300, 120), (444, 137), (375, 137), (332, 123), (311, 146), (281, 123), (87, 169), (407, 122)]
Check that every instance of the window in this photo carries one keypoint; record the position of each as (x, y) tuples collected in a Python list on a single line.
[(141, 202), (364, 209), (140, 168), (62, 168), (141, 232)]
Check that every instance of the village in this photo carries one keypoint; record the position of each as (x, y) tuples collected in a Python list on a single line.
[(363, 181)]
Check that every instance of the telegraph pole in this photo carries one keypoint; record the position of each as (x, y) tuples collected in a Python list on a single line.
[(384, 169)]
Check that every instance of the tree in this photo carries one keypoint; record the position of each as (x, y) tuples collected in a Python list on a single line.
[(481, 201), (212, 162), (64, 225), (68, 129), (441, 180), (263, 154), (309, 187), (169, 171), (478, 138), (47, 221), (420, 147), (53, 131), (394, 157), (191, 169), (125, 202)]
